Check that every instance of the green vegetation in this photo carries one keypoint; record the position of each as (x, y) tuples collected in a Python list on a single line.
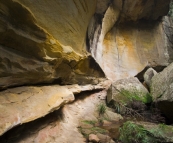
[(101, 108), (90, 122), (85, 131), (163, 132), (136, 133), (96, 130), (93, 130), (130, 96), (133, 133)]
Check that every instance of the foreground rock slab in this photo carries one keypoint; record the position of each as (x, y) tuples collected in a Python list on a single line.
[(60, 126), (24, 104)]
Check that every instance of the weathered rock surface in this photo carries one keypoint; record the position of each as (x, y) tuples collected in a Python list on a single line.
[(42, 43), (58, 125), (123, 47), (126, 90), (48, 42), (25, 104), (148, 75)]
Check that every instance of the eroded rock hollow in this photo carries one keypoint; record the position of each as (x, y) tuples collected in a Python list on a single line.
[(53, 51)]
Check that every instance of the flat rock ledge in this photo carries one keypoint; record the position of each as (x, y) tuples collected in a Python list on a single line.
[(24, 104)]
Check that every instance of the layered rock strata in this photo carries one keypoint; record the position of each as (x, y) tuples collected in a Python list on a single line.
[(75, 43), (60, 126), (41, 43), (25, 104)]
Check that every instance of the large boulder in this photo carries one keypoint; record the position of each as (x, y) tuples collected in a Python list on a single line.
[(162, 85), (162, 91), (127, 90)]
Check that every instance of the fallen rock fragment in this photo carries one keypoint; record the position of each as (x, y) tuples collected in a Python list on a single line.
[(148, 76), (94, 138)]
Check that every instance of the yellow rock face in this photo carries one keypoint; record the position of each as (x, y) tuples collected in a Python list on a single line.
[(43, 41), (129, 48), (66, 21)]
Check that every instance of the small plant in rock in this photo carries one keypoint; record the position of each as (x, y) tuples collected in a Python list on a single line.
[(90, 122), (101, 108)]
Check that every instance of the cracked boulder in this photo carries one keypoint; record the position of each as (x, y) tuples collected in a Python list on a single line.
[(162, 91), (125, 91)]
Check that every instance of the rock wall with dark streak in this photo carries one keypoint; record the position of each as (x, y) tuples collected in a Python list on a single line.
[(133, 35)]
